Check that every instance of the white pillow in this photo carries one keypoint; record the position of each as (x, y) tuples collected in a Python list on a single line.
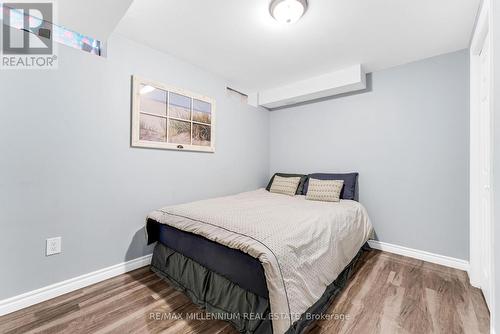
[(285, 185), (324, 190)]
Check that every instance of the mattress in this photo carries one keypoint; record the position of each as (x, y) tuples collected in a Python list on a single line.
[(233, 264)]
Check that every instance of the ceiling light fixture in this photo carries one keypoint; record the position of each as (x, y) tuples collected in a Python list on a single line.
[(287, 11)]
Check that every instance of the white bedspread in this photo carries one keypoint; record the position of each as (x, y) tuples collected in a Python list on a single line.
[(303, 245)]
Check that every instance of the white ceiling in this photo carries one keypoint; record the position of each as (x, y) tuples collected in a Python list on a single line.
[(238, 39), (94, 18)]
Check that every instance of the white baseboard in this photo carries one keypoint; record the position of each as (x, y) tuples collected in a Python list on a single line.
[(420, 255), (37, 296)]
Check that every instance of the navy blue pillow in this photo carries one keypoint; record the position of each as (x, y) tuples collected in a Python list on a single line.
[(349, 188)]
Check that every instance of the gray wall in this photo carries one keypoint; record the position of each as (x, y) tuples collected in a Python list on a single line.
[(67, 168), (407, 135)]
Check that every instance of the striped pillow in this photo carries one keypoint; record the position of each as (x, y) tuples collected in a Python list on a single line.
[(285, 185), (324, 190)]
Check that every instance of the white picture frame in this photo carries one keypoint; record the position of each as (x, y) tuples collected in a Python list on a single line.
[(170, 118)]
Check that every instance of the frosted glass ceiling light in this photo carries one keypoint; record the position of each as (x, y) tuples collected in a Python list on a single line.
[(287, 11)]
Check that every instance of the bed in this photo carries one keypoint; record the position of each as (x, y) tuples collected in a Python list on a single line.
[(265, 262)]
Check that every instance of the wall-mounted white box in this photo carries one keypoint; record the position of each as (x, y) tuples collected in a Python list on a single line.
[(53, 246)]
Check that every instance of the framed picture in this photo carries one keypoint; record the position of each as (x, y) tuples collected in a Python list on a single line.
[(170, 118)]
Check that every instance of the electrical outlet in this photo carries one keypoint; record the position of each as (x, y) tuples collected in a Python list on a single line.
[(53, 246)]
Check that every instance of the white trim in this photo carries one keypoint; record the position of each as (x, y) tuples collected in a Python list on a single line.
[(481, 28), (480, 32), (420, 255), (474, 207), (478, 242), (51, 291), (37, 296)]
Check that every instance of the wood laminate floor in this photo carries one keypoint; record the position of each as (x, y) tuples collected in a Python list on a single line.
[(387, 294)]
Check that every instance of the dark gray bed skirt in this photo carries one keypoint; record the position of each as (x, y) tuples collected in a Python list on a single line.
[(215, 293), (246, 311)]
